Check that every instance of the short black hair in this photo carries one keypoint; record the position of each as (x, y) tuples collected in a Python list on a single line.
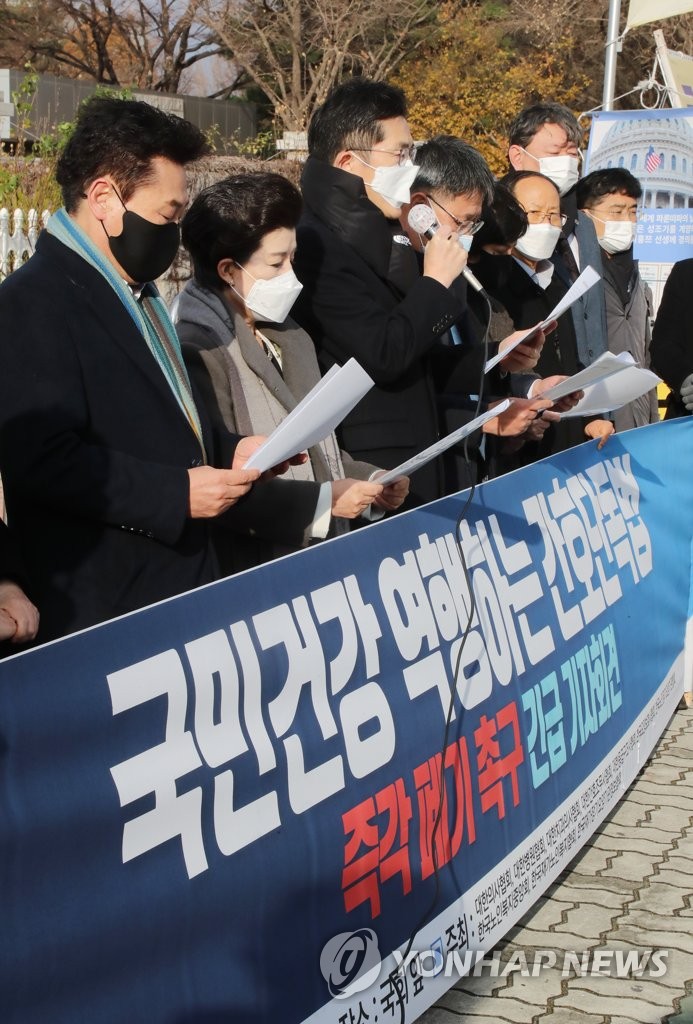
[(511, 179), (229, 219), (528, 122), (609, 181), (350, 117), (504, 220), (121, 138), (449, 165)]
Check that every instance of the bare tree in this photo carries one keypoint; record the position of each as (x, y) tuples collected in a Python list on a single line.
[(296, 50), (145, 43), (580, 27)]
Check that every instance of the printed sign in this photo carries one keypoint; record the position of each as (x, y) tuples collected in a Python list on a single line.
[(312, 791), (657, 147)]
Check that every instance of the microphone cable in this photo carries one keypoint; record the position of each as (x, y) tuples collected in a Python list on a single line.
[(426, 916)]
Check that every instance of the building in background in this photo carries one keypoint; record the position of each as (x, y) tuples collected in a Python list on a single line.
[(657, 147), (229, 122)]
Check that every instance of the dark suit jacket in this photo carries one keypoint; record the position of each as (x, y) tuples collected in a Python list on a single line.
[(672, 337), (10, 562), (528, 304), (94, 450), (364, 297)]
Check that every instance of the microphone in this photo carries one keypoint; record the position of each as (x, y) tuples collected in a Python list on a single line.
[(422, 219)]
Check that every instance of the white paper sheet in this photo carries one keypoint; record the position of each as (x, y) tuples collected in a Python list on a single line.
[(601, 369), (428, 454), (585, 281), (614, 392), (315, 416)]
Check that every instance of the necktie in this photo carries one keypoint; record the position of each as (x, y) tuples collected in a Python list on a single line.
[(567, 258)]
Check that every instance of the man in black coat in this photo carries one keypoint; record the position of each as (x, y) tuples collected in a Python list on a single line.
[(672, 339), (546, 138), (104, 455), (454, 182), (364, 295)]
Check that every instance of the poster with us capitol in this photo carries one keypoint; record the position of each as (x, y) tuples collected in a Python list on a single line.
[(657, 147)]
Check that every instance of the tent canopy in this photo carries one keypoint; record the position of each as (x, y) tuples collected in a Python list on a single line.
[(641, 12)]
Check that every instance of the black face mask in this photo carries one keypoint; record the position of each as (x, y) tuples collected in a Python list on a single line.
[(143, 249)]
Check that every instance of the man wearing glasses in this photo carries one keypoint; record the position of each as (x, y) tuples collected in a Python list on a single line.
[(455, 182), (364, 294), (610, 199), (528, 286), (545, 138)]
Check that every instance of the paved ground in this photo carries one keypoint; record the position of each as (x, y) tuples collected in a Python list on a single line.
[(631, 888)]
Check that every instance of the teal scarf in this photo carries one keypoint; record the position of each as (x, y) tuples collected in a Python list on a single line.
[(149, 315)]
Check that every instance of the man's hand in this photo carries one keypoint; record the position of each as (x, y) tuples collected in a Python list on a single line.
[(247, 446), (562, 404), (525, 357), (538, 427), (687, 392), (444, 257), (352, 497), (212, 491), (602, 429), (19, 619), (393, 494), (522, 413)]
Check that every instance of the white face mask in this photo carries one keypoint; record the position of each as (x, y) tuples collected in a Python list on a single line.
[(538, 241), (272, 299), (618, 235), (393, 183), (563, 171)]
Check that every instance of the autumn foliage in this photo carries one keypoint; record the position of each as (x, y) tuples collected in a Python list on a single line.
[(473, 79)]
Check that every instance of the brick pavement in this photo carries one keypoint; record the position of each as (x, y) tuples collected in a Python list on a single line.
[(630, 889)]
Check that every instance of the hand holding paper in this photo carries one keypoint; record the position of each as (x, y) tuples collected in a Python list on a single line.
[(249, 445), (585, 281), (315, 417), (564, 404), (516, 419), (609, 383), (523, 357), (408, 467)]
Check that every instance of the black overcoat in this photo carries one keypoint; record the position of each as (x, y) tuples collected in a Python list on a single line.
[(94, 449)]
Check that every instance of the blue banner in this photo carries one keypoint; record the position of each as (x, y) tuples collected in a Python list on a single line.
[(239, 804)]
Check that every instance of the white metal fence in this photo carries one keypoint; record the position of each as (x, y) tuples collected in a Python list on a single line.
[(18, 234)]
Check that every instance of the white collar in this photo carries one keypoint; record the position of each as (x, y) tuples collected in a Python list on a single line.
[(541, 274)]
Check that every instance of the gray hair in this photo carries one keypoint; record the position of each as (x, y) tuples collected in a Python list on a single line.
[(452, 166)]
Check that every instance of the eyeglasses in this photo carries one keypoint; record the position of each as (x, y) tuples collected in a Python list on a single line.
[(403, 154), (556, 220), (617, 212), (464, 227)]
